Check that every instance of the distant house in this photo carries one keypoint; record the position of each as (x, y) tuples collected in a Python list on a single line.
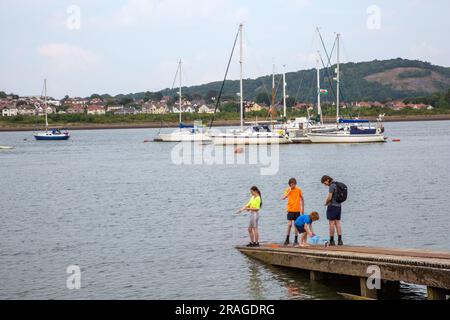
[(377, 104), (188, 109), (96, 101), (419, 106), (55, 103), (253, 107), (9, 111), (363, 104), (114, 108), (154, 108), (205, 109), (96, 109), (127, 111), (397, 105), (41, 109), (75, 109), (184, 109), (27, 110)]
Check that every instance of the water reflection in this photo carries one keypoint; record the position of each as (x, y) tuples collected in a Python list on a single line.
[(298, 286)]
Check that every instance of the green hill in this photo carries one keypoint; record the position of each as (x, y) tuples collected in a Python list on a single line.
[(370, 81)]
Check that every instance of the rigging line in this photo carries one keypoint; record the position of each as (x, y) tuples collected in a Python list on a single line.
[(302, 78), (268, 93), (169, 94), (328, 57), (323, 43), (342, 95), (224, 80), (328, 76)]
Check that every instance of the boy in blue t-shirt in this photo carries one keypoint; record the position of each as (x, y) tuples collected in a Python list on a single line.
[(304, 227)]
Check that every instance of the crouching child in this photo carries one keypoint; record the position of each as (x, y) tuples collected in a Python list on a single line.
[(304, 227)]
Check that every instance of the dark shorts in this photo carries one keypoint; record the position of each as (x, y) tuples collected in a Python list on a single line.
[(292, 216), (334, 213), (300, 229)]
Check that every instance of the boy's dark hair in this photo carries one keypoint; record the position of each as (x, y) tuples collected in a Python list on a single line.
[(326, 178), (292, 180)]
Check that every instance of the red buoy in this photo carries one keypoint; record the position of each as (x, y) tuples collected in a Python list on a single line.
[(396, 140)]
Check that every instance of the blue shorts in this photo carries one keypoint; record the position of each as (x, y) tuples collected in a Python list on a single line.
[(334, 213)]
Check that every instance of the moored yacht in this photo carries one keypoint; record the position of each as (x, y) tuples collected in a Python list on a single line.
[(185, 132), (50, 134), (255, 134)]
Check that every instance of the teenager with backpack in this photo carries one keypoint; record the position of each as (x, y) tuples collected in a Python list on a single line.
[(337, 194)]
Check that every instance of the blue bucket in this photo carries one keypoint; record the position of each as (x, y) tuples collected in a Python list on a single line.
[(314, 240)]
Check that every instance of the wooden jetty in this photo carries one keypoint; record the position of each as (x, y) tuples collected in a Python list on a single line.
[(421, 267)]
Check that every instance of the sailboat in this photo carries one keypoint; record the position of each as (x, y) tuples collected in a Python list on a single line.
[(50, 134), (298, 128), (252, 135), (188, 133), (349, 130)]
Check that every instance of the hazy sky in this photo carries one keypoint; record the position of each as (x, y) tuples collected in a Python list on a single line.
[(122, 46)]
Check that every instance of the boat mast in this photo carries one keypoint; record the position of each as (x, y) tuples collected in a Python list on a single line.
[(273, 108), (179, 92), (338, 78), (319, 107), (284, 93), (241, 61), (45, 104)]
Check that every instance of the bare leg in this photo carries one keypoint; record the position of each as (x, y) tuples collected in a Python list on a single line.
[(250, 233), (303, 240), (256, 233), (338, 227), (289, 227), (332, 226)]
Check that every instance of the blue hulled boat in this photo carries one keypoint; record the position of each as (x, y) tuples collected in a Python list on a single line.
[(50, 134)]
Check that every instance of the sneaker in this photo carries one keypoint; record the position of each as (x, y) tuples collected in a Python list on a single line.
[(340, 243), (250, 245), (332, 243), (295, 243), (256, 244), (286, 243)]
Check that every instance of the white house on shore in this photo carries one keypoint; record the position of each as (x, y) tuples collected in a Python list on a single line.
[(96, 110), (205, 109), (27, 110)]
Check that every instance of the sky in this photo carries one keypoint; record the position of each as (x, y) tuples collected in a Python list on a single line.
[(122, 46)]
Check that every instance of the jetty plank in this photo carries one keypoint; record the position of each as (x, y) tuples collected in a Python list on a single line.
[(421, 267)]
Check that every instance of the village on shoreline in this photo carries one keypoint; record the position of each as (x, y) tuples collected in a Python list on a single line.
[(13, 105)]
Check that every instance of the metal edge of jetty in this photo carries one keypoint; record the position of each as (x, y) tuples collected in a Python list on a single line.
[(420, 267)]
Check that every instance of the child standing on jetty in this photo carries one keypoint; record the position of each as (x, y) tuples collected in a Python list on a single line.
[(304, 226), (253, 206), (295, 207)]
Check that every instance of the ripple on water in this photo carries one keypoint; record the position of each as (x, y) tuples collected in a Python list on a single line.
[(142, 227)]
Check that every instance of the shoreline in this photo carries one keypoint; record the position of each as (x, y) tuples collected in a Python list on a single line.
[(217, 123)]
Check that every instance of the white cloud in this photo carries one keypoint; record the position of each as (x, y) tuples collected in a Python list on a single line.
[(64, 57)]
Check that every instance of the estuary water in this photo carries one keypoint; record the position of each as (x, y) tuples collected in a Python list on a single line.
[(142, 226)]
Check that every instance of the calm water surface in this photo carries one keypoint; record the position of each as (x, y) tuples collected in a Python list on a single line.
[(142, 227)]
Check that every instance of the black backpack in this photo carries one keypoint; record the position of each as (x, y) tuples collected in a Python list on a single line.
[(340, 195)]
